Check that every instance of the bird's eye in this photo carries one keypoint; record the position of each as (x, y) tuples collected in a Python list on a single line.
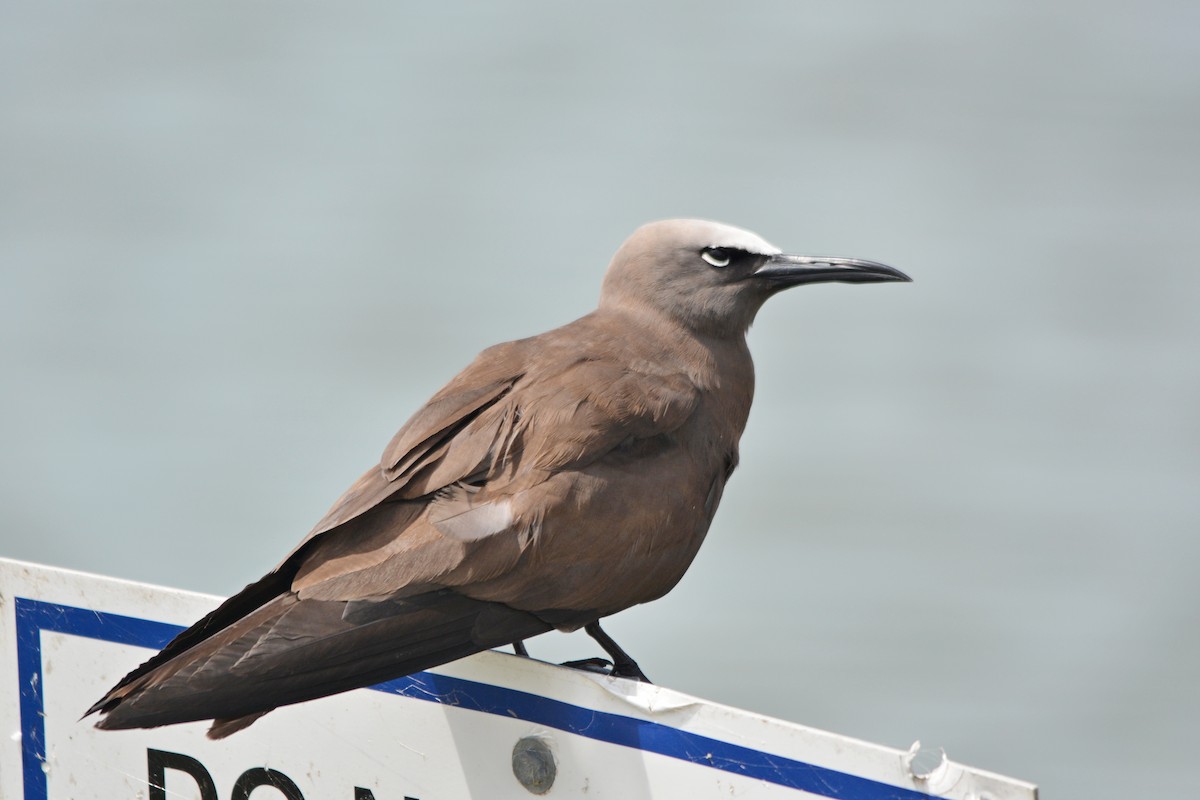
[(717, 256)]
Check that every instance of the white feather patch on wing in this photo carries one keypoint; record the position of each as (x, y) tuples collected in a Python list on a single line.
[(475, 523)]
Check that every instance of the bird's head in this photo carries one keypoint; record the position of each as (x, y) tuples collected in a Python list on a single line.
[(713, 278)]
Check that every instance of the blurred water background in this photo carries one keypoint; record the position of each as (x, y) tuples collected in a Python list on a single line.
[(241, 243)]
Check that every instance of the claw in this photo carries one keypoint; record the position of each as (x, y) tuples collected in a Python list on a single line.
[(623, 665), (631, 670)]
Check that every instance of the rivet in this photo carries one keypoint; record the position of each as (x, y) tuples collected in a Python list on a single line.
[(533, 764)]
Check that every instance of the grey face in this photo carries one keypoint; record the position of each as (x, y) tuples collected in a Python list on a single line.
[(715, 277)]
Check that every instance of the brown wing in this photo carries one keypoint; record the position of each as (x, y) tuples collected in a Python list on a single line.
[(532, 404), (427, 434), (589, 408), (556, 411)]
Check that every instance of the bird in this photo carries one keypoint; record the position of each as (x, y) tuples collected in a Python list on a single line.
[(555, 481)]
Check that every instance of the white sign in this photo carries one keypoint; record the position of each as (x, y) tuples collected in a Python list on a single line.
[(490, 726)]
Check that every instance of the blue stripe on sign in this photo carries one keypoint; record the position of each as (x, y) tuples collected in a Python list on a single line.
[(34, 616)]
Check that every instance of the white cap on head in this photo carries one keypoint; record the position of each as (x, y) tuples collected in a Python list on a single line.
[(718, 234)]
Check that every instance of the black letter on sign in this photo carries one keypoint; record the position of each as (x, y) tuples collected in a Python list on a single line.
[(251, 779), (366, 794), (159, 761)]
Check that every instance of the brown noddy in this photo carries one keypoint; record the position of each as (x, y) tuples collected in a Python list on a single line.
[(556, 480)]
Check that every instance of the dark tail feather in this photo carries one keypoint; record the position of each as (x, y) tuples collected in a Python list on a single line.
[(225, 727), (293, 650), (254, 596)]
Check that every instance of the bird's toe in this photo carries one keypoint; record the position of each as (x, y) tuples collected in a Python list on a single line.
[(599, 665)]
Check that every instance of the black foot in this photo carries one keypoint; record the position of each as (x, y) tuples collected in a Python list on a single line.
[(623, 665), (599, 665), (519, 648), (631, 670)]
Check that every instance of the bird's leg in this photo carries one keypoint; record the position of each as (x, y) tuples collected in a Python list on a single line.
[(601, 665), (623, 665)]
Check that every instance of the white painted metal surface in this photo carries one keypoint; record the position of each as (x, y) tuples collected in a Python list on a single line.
[(450, 733)]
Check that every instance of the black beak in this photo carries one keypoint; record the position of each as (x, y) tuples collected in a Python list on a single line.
[(784, 270)]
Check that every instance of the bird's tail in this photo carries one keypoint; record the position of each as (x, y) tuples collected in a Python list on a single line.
[(290, 650)]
